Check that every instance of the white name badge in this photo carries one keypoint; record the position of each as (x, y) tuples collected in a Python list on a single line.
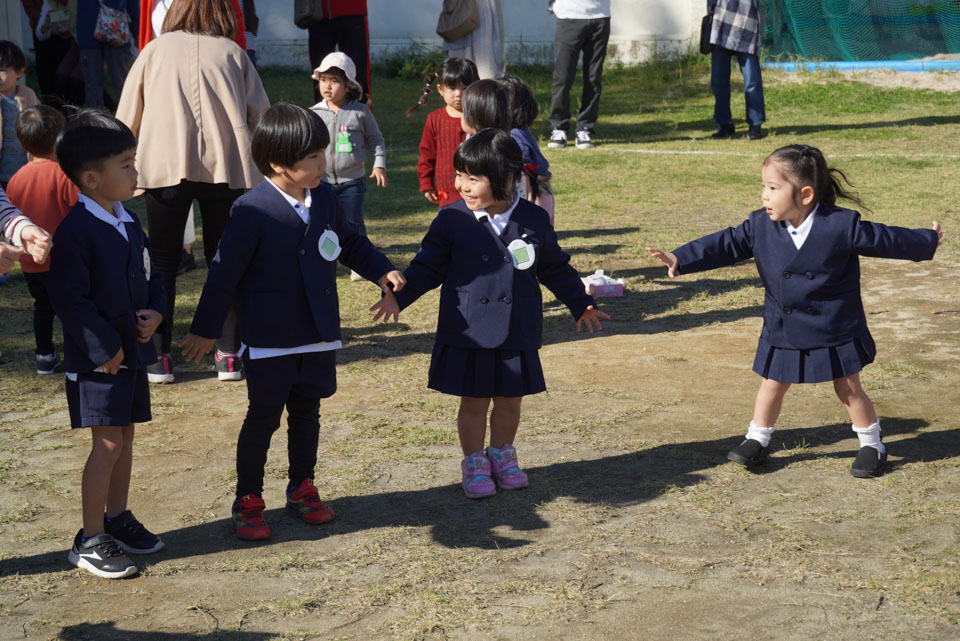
[(523, 253), (146, 263), (329, 245)]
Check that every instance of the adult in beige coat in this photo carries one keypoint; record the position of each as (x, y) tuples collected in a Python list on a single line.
[(192, 98)]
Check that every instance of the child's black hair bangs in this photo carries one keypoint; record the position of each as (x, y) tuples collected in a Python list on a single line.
[(90, 137), (457, 72), (285, 134), (12, 56), (494, 154)]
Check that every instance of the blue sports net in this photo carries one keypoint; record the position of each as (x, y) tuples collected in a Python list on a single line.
[(860, 29)]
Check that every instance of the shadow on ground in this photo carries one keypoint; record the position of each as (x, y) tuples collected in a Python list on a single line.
[(455, 522)]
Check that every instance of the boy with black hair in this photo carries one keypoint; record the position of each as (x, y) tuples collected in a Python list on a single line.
[(43, 191), (277, 259), (102, 290)]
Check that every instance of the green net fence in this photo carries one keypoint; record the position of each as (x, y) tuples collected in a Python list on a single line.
[(861, 29)]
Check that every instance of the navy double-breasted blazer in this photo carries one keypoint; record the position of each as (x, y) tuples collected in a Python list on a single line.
[(97, 283), (485, 302), (812, 297), (268, 260)]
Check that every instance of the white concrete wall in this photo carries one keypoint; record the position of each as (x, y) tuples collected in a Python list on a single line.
[(640, 29)]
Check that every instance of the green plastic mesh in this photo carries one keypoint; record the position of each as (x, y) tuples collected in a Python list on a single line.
[(860, 29)]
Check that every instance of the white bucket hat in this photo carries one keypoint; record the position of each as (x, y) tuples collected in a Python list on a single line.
[(343, 62)]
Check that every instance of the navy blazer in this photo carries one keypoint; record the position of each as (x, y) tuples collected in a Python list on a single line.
[(485, 302), (269, 262), (97, 283), (812, 295)]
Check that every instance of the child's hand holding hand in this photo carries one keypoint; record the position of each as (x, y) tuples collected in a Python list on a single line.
[(147, 322), (113, 365), (431, 195), (394, 278), (37, 243), (939, 230), (592, 319), (668, 259), (195, 347), (386, 307), (381, 175), (9, 255)]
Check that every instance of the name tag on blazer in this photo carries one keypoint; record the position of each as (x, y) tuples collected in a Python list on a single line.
[(523, 254), (329, 245)]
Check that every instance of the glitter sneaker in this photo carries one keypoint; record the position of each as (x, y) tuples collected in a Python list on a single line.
[(505, 469), (477, 483)]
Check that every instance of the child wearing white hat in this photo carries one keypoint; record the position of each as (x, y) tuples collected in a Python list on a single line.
[(353, 132)]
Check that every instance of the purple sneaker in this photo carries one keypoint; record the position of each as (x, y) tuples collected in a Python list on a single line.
[(505, 468), (477, 483)]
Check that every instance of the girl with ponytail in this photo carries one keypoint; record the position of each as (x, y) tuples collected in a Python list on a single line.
[(807, 251)]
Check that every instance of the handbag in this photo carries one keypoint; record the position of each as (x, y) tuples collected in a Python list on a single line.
[(706, 26), (307, 13), (458, 18), (113, 26)]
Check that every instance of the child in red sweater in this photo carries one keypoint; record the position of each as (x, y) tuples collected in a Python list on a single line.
[(442, 133), (43, 192)]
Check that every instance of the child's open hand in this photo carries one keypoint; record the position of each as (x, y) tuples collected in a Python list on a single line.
[(113, 365), (9, 255), (381, 175), (592, 319), (431, 195), (37, 243), (392, 281), (939, 230), (147, 322), (195, 347), (668, 259), (386, 307)]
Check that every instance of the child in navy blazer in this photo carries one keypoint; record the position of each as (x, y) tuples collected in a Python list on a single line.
[(491, 251), (814, 328), (277, 259), (110, 304)]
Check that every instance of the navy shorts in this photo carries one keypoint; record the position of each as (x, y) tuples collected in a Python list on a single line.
[(113, 400)]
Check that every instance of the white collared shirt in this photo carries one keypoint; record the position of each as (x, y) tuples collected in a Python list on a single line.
[(302, 208), (799, 234), (115, 220), (497, 221), (303, 211)]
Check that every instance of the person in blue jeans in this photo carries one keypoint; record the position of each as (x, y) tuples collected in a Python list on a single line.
[(736, 32)]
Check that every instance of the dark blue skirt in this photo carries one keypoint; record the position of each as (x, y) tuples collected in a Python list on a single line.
[(814, 365), (485, 373)]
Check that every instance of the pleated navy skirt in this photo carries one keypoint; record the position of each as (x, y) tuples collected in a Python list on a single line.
[(814, 365), (485, 373)]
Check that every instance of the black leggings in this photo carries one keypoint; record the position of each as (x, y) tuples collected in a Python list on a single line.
[(43, 313), (167, 211)]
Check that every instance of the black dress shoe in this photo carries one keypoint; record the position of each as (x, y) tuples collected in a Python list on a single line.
[(755, 133), (724, 131), (187, 262), (869, 463), (749, 453)]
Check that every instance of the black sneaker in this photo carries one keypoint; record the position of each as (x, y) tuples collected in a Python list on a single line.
[(724, 131), (869, 463), (162, 371), (755, 133), (102, 556), (749, 453), (131, 535)]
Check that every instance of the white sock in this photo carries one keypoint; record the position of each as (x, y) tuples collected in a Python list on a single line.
[(870, 437), (761, 434)]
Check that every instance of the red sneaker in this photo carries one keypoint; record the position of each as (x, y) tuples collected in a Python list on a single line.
[(304, 503), (248, 518)]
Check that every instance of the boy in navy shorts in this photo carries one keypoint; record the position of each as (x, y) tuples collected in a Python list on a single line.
[(278, 259), (101, 288)]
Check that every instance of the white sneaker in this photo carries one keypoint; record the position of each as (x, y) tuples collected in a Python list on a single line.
[(558, 139), (583, 140)]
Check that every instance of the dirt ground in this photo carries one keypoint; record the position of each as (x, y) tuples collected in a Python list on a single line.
[(634, 526), (935, 80)]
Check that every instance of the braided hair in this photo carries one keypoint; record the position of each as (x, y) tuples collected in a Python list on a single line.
[(453, 72)]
